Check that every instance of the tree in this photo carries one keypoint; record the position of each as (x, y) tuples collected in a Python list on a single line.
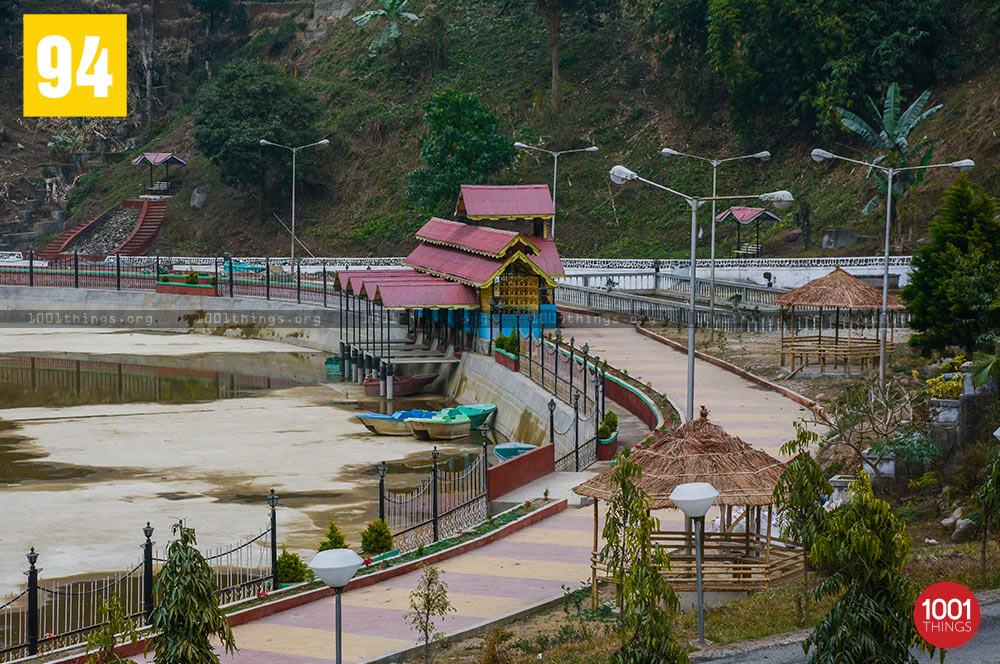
[(635, 562), (461, 145), (791, 63), (187, 611), (553, 11), (428, 602), (249, 100), (874, 422), (213, 8), (117, 624), (334, 538), (147, 50), (376, 538), (944, 306), (892, 139), (392, 11), (797, 498), (988, 499), (862, 549)]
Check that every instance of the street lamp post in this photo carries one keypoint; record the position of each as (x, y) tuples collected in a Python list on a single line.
[(695, 499), (335, 567), (272, 500), (552, 421), (295, 151), (763, 156), (962, 165), (555, 173), (781, 200)]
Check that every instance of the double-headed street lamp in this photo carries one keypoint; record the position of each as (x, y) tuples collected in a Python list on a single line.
[(963, 165), (555, 173), (781, 200), (295, 152), (763, 156)]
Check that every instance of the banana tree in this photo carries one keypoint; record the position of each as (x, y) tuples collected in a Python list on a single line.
[(892, 139), (392, 11)]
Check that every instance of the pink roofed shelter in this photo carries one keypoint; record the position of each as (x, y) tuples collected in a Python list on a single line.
[(158, 159), (743, 216), (522, 202)]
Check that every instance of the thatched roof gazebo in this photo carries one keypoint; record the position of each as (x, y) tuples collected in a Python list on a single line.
[(700, 451), (833, 292)]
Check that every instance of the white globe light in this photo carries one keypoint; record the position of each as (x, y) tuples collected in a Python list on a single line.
[(694, 498), (336, 567)]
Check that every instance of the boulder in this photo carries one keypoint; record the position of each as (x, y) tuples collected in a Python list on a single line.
[(200, 195), (949, 522), (965, 530)]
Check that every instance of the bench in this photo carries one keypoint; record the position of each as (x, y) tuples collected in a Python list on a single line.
[(748, 249), (161, 188)]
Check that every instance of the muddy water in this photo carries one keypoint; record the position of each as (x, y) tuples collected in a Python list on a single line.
[(81, 471)]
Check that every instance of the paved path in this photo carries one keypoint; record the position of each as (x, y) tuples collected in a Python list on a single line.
[(513, 573), (984, 648), (757, 415)]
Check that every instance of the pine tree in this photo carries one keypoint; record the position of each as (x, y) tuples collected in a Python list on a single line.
[(334, 538)]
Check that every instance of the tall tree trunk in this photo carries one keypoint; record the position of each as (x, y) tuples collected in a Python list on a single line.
[(553, 17), (982, 548), (148, 40)]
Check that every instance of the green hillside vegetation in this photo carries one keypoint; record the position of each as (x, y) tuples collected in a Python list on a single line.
[(631, 82)]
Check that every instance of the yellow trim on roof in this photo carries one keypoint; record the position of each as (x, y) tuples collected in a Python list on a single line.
[(517, 256)]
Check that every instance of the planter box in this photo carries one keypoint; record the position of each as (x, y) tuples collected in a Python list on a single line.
[(505, 359), (185, 289), (607, 447)]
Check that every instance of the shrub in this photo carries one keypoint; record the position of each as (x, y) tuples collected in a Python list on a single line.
[(291, 568), (334, 538), (945, 387), (376, 538), (191, 278), (509, 343), (496, 649)]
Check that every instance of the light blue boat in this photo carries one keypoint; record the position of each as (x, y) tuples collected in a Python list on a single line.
[(507, 451), (392, 425)]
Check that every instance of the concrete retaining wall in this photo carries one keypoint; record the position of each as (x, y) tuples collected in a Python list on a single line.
[(522, 469), (522, 406)]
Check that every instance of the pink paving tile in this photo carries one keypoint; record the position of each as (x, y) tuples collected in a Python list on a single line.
[(494, 586), (366, 620), (245, 656), (562, 553)]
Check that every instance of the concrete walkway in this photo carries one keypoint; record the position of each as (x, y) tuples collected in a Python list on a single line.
[(757, 415), (509, 575)]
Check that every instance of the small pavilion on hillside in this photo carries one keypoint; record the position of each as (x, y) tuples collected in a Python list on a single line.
[(827, 296), (743, 216), (163, 187), (745, 477)]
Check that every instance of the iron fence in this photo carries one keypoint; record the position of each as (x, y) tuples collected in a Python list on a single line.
[(442, 504), (41, 618)]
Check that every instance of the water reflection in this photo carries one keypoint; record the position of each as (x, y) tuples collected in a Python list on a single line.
[(49, 381)]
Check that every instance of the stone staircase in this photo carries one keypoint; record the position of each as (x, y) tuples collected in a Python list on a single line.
[(146, 229)]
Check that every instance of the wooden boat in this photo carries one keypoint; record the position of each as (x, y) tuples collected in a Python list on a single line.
[(477, 412), (391, 425), (402, 386), (507, 451), (441, 426)]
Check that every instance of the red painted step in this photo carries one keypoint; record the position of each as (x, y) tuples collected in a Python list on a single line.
[(146, 230)]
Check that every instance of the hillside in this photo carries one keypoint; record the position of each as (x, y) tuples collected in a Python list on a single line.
[(614, 96)]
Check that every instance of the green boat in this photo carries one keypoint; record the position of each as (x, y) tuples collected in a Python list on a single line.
[(477, 412), (507, 451), (443, 425)]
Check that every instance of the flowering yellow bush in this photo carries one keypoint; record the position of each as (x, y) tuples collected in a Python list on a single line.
[(944, 387), (953, 364)]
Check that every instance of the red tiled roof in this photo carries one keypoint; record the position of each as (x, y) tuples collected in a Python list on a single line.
[(441, 294), (746, 215), (471, 268), (479, 239), (512, 201), (342, 275), (157, 158), (547, 259)]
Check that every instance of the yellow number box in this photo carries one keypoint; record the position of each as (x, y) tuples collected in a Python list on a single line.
[(75, 65)]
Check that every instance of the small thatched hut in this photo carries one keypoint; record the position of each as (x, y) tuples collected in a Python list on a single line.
[(837, 290), (700, 451)]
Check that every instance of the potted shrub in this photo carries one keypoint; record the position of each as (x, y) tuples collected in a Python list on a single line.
[(507, 351), (607, 436)]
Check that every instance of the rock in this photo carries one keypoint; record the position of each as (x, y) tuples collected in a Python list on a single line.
[(965, 530), (950, 521), (928, 540), (20, 147), (200, 195)]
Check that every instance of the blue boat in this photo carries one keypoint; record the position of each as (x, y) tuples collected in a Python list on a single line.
[(507, 451), (392, 425)]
